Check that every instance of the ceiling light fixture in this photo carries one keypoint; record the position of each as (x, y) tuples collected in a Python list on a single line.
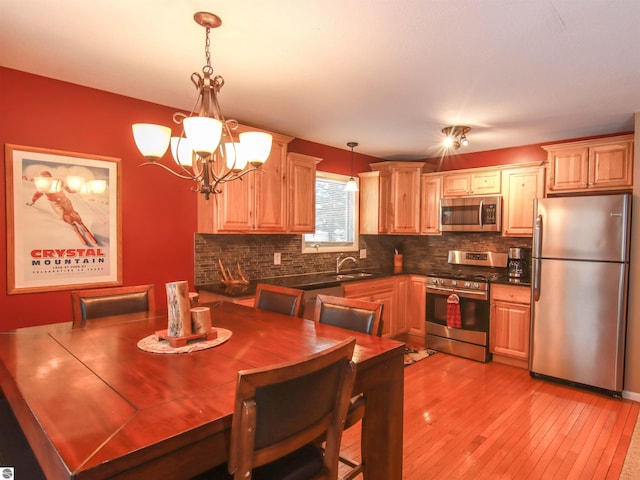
[(206, 150), (455, 136), (352, 185)]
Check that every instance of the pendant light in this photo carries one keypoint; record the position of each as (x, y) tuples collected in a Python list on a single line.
[(352, 185)]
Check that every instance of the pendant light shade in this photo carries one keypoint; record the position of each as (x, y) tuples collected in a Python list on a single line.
[(256, 147), (203, 134), (352, 184), (151, 140)]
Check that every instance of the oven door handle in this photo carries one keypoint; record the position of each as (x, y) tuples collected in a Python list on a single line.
[(460, 292)]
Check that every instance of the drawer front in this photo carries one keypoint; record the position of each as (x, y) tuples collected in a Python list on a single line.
[(508, 293)]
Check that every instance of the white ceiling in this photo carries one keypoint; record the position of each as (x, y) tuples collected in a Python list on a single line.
[(389, 74)]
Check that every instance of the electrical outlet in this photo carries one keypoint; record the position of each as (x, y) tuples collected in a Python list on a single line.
[(276, 258), (363, 253)]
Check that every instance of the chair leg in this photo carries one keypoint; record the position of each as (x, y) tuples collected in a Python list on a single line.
[(356, 468)]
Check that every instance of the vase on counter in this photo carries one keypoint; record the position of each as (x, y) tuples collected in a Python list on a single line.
[(397, 263)]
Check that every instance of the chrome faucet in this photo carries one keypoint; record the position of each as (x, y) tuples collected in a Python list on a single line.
[(339, 262)]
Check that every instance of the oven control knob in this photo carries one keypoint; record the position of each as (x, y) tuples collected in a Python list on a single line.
[(476, 285), (434, 281), (467, 284), (454, 283), (441, 281)]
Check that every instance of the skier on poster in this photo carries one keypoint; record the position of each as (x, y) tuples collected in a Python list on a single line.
[(62, 206)]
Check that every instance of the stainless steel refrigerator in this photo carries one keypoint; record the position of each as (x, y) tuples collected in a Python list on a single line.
[(580, 266)]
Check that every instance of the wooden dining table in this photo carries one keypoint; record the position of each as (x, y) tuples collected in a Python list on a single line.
[(94, 406)]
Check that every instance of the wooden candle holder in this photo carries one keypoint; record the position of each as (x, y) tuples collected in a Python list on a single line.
[(176, 342)]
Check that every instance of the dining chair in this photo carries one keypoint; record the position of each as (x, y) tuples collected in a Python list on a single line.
[(279, 299), (281, 410), (350, 313), (361, 316), (104, 302)]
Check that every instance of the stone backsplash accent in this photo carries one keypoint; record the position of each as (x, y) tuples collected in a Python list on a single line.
[(254, 253)]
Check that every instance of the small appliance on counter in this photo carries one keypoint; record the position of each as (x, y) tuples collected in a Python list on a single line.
[(518, 263)]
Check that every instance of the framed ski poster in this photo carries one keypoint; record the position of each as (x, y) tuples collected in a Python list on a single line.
[(63, 220)]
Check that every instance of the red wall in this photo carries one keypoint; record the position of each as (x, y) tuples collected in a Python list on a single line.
[(505, 156), (334, 160), (159, 211)]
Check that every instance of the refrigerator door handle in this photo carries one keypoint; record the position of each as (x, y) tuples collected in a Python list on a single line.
[(536, 279), (537, 237), (537, 245)]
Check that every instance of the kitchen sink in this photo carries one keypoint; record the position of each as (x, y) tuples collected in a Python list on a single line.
[(351, 276)]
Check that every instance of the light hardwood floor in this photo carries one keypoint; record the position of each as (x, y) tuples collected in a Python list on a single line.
[(471, 420)]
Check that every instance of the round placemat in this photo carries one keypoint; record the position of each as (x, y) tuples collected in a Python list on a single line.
[(154, 344)]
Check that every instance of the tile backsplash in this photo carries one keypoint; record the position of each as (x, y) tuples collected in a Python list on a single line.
[(254, 253)]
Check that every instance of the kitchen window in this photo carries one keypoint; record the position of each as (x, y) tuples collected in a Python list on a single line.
[(336, 216)]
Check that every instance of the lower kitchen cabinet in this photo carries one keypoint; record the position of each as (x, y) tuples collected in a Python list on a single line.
[(416, 308), (381, 291), (510, 324)]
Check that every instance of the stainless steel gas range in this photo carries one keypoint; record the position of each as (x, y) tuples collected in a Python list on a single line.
[(457, 310)]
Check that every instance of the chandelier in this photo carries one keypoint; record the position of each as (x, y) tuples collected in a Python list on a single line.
[(455, 136), (206, 151)]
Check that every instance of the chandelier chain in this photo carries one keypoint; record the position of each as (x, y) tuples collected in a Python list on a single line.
[(207, 54)]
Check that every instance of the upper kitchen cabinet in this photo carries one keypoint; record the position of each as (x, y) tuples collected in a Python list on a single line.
[(390, 198), (520, 185), (375, 188), (590, 165), (256, 203), (302, 192), (479, 182), (430, 194)]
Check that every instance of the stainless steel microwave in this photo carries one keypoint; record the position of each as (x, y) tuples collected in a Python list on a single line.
[(471, 214)]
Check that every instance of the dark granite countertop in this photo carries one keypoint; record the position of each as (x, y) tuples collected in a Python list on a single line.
[(303, 282), (313, 281)]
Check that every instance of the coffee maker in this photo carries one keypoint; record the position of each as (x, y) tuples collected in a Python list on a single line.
[(518, 263)]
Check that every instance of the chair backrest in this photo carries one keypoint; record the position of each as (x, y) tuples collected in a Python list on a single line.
[(281, 408), (279, 299), (105, 302), (349, 313)]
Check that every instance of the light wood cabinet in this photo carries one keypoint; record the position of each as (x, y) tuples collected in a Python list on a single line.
[(392, 292), (430, 194), (520, 185), (400, 322), (590, 165), (416, 307), (510, 324), (395, 206), (480, 182), (381, 291), (374, 202), (302, 192), (256, 203)]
